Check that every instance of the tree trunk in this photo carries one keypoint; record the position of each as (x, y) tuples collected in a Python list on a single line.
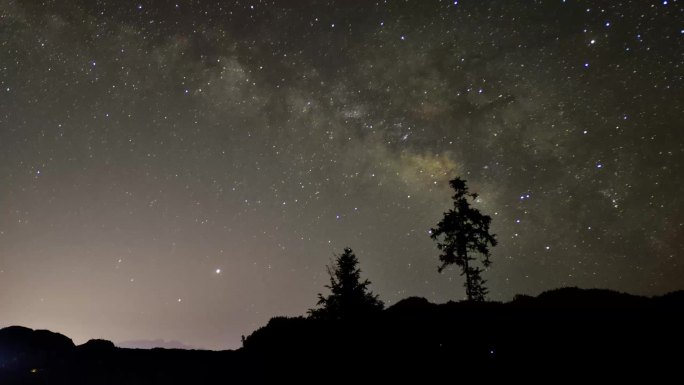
[(466, 270)]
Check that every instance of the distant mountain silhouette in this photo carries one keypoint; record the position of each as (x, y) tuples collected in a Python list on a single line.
[(561, 334), (42, 357), (152, 344)]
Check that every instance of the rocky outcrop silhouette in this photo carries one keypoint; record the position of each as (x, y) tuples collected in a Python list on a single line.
[(24, 350)]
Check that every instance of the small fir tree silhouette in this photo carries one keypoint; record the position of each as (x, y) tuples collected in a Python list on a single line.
[(462, 232), (349, 297)]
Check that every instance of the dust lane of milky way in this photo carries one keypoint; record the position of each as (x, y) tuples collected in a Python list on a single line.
[(185, 170)]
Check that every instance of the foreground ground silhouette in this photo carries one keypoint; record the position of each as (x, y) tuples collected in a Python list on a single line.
[(559, 334)]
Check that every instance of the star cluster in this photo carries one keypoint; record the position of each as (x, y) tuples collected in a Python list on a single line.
[(186, 169)]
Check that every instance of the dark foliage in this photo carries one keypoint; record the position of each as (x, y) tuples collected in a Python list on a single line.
[(349, 296), (462, 232)]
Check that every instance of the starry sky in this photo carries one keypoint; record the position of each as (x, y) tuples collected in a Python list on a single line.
[(185, 170)]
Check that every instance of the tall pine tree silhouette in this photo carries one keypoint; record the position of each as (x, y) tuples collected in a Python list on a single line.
[(463, 232), (350, 297)]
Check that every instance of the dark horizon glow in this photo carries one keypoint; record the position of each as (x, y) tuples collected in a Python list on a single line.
[(185, 170)]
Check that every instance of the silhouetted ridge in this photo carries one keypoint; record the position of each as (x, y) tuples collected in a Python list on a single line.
[(583, 329), (588, 298), (24, 350), (97, 346), (566, 332), (24, 338), (674, 298), (411, 302)]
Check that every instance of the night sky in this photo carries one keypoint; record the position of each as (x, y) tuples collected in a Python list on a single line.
[(185, 170)]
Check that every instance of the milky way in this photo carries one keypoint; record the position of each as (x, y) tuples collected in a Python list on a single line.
[(185, 170)]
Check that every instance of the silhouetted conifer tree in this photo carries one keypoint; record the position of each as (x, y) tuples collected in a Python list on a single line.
[(462, 232), (349, 296)]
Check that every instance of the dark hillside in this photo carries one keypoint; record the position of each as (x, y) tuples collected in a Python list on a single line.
[(572, 331)]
